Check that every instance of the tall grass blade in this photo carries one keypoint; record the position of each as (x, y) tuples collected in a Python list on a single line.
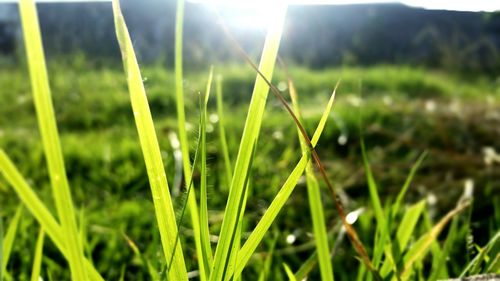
[(382, 227), (38, 209), (280, 199), (351, 232), (180, 220), (9, 238), (222, 131), (248, 141), (406, 185), (315, 204), (50, 138), (205, 233), (289, 272), (164, 210), (420, 248), (183, 139), (37, 260)]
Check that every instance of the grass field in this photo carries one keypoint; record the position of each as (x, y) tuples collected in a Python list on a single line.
[(400, 113), (414, 111)]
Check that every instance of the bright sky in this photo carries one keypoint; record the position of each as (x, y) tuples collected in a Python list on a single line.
[(459, 5)]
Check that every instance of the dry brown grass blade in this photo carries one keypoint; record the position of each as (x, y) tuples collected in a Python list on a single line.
[(353, 236)]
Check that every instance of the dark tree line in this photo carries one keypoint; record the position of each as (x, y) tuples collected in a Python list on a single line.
[(316, 36)]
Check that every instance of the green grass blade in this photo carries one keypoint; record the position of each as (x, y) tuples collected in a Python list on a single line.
[(266, 269), (50, 138), (307, 266), (38, 209), (9, 237), (205, 233), (435, 248), (372, 188), (280, 199), (408, 224), (222, 131), (421, 247), (164, 210), (1, 248), (439, 270), (37, 260), (248, 141), (315, 204), (183, 209), (289, 272), (478, 259), (406, 185), (403, 234), (183, 139), (382, 227)]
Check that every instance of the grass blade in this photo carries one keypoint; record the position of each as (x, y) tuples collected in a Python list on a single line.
[(377, 207), (266, 268), (38, 209), (37, 260), (164, 210), (403, 235), (406, 185), (249, 138), (1, 248), (9, 237), (315, 204), (50, 138), (222, 131), (307, 266), (289, 272), (439, 270), (280, 199), (420, 248), (205, 233), (183, 139), (478, 259), (408, 224)]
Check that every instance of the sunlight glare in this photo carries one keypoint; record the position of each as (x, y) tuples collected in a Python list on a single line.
[(249, 14)]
